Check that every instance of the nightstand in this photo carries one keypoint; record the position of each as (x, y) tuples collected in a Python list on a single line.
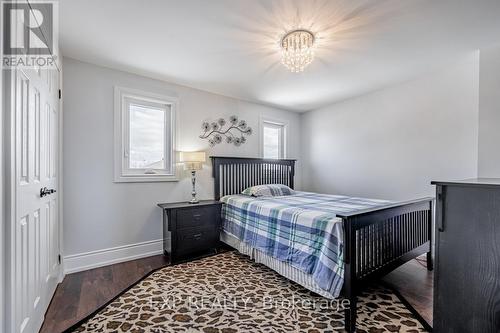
[(190, 229)]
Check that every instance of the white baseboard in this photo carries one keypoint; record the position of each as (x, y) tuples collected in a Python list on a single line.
[(88, 260)]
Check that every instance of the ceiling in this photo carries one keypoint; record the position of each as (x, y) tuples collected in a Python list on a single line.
[(230, 47)]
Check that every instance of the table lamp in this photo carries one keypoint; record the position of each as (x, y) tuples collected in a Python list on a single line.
[(192, 160)]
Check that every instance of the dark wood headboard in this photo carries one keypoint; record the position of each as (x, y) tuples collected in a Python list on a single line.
[(234, 174)]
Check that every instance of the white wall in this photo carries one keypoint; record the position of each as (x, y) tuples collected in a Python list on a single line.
[(100, 214), (393, 142), (489, 113)]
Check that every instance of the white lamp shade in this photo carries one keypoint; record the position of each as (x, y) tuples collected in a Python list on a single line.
[(192, 156), (192, 159)]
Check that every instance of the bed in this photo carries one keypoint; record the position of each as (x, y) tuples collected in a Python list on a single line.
[(329, 244)]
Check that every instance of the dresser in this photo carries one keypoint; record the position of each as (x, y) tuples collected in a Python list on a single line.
[(190, 230), (467, 265)]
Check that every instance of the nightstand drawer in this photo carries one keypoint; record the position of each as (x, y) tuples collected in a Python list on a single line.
[(198, 217), (196, 239)]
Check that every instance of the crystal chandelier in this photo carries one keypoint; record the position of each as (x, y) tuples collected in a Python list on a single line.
[(297, 50)]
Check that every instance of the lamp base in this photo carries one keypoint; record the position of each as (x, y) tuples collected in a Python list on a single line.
[(193, 192)]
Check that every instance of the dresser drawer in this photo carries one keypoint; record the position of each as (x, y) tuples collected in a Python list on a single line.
[(196, 239), (198, 217)]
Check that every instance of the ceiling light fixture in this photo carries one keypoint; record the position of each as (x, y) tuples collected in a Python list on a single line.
[(297, 49)]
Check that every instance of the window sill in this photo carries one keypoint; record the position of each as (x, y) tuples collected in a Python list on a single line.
[(146, 178)]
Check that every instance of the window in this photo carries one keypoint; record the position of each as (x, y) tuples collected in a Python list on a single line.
[(273, 139), (144, 136)]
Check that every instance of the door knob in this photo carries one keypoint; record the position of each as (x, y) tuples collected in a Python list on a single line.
[(45, 191)]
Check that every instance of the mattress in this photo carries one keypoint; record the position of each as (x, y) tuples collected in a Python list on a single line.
[(300, 230)]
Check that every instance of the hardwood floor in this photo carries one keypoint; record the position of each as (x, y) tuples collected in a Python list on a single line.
[(415, 283), (82, 293)]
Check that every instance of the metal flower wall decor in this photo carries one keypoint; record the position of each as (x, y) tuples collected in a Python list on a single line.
[(234, 133)]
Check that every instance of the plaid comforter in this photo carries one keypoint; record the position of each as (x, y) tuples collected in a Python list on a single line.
[(300, 229)]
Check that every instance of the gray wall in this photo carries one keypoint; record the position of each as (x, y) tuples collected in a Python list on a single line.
[(387, 144), (100, 214), (489, 113), (393, 142)]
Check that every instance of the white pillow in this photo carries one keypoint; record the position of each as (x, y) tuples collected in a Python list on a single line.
[(268, 190)]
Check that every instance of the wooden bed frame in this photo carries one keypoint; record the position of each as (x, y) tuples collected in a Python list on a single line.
[(376, 241)]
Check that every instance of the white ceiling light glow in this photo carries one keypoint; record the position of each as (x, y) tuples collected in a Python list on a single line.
[(297, 50)]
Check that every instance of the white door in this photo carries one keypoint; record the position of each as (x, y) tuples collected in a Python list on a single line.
[(33, 230), (35, 242)]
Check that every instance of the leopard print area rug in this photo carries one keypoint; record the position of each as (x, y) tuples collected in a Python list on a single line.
[(229, 293)]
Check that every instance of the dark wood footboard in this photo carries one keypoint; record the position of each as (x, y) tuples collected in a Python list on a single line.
[(379, 240)]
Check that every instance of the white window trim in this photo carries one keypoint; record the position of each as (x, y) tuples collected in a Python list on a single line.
[(284, 139), (120, 139)]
